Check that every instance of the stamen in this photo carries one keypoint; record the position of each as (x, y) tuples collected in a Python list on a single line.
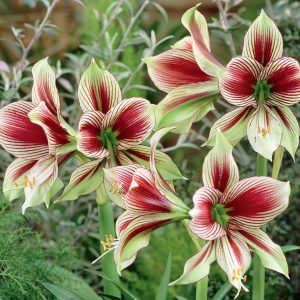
[(16, 184), (116, 187), (28, 182), (244, 278), (108, 243)]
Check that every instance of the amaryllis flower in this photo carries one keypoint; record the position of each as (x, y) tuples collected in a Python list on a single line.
[(149, 203), (36, 134), (229, 214), (188, 73), (111, 131), (261, 84)]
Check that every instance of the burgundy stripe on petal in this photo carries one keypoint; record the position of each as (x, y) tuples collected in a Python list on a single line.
[(237, 86), (143, 195), (174, 68), (132, 121), (255, 201), (202, 223), (18, 135), (90, 126), (284, 77)]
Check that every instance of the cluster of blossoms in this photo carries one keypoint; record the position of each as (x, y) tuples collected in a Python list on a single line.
[(111, 144)]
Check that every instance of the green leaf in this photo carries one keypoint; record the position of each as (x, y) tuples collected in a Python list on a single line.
[(60, 292), (223, 291), (127, 295), (289, 248), (162, 292), (63, 280)]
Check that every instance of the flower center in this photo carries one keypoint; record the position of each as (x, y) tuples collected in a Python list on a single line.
[(108, 139), (219, 214), (262, 90)]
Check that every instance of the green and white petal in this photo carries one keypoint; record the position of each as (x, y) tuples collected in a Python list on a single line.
[(186, 102), (198, 266), (84, 180), (233, 125), (270, 254), (263, 41), (37, 185), (98, 90), (219, 168), (290, 129), (196, 24), (140, 154), (14, 178), (44, 87), (264, 132)]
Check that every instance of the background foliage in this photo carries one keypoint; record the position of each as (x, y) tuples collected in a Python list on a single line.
[(65, 238)]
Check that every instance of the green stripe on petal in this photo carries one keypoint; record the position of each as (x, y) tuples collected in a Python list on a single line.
[(263, 41), (198, 266), (84, 180), (270, 254), (196, 24), (233, 125), (98, 90), (186, 102)]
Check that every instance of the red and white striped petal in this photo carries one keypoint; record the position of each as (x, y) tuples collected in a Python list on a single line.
[(84, 180), (185, 102), (135, 235), (264, 132), (132, 120), (198, 266), (174, 68), (14, 179), (283, 75), (270, 254), (290, 128), (57, 136), (18, 135), (237, 85), (233, 125), (202, 223), (196, 24), (117, 182), (41, 177), (144, 197), (219, 168), (255, 201), (140, 154), (263, 41), (233, 256), (44, 87), (98, 90), (185, 43), (90, 126)]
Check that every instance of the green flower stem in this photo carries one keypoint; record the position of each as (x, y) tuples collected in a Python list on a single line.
[(277, 162), (202, 285), (258, 291), (107, 227)]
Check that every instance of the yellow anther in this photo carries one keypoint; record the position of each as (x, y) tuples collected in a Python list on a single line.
[(107, 244), (25, 181), (244, 278), (116, 187), (16, 184), (28, 182)]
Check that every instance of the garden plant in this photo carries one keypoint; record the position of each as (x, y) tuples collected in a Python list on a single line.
[(115, 142)]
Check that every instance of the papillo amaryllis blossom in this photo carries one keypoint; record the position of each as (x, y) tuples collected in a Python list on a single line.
[(150, 203), (110, 132), (189, 73), (38, 136), (229, 213), (261, 84)]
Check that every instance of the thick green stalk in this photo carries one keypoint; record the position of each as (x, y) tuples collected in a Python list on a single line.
[(106, 228), (258, 290)]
